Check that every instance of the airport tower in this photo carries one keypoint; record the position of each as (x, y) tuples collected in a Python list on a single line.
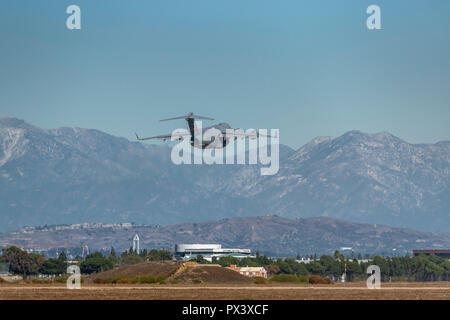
[(136, 247)]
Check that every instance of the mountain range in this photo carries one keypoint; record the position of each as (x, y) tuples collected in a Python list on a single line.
[(270, 235), (73, 175)]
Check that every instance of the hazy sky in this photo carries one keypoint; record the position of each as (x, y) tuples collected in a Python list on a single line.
[(310, 68)]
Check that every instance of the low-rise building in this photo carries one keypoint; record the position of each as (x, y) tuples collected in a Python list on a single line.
[(304, 260), (250, 271)]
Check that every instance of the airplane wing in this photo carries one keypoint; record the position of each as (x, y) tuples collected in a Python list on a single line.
[(164, 137), (241, 134)]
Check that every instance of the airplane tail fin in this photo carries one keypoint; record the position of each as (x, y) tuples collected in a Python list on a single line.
[(190, 118)]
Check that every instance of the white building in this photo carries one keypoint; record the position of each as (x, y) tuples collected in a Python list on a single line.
[(304, 260), (250, 271), (208, 251)]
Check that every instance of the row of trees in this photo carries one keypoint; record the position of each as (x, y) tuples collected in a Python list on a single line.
[(21, 262), (131, 257), (26, 264), (420, 268)]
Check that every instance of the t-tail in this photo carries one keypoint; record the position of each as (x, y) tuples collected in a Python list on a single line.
[(190, 118)]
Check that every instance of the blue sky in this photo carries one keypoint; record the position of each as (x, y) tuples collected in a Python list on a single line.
[(309, 68)]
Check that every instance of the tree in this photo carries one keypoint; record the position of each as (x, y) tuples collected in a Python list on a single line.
[(315, 268), (383, 263), (130, 257), (143, 253), (62, 257), (95, 262), (251, 262), (200, 259), (159, 255), (112, 256), (295, 267), (263, 260), (273, 269), (226, 261), (332, 266), (53, 267), (78, 259), (20, 262), (338, 256), (353, 270), (166, 255)]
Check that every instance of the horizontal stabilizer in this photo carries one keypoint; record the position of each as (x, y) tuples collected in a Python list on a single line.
[(190, 115)]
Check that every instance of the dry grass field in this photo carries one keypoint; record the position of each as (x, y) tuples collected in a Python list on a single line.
[(154, 268), (190, 281), (338, 291)]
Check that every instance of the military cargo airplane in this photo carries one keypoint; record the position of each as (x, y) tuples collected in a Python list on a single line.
[(219, 137)]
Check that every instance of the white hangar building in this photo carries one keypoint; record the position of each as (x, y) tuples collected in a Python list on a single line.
[(208, 251)]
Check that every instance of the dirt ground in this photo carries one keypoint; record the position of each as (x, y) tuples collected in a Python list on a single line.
[(211, 275), (164, 269), (338, 291), (176, 271)]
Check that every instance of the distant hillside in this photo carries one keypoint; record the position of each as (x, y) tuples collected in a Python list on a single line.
[(271, 235), (73, 175)]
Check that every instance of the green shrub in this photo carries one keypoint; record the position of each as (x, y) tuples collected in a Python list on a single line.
[(290, 278), (41, 281), (147, 279), (260, 280), (64, 280), (101, 281), (121, 279), (136, 280), (319, 280), (61, 279)]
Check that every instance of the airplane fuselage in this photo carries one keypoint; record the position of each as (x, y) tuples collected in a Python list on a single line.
[(209, 141)]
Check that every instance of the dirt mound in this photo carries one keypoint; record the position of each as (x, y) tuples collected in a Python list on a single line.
[(188, 272), (210, 274), (151, 268)]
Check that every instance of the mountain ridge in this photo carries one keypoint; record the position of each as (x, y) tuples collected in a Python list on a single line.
[(68, 175), (271, 235)]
